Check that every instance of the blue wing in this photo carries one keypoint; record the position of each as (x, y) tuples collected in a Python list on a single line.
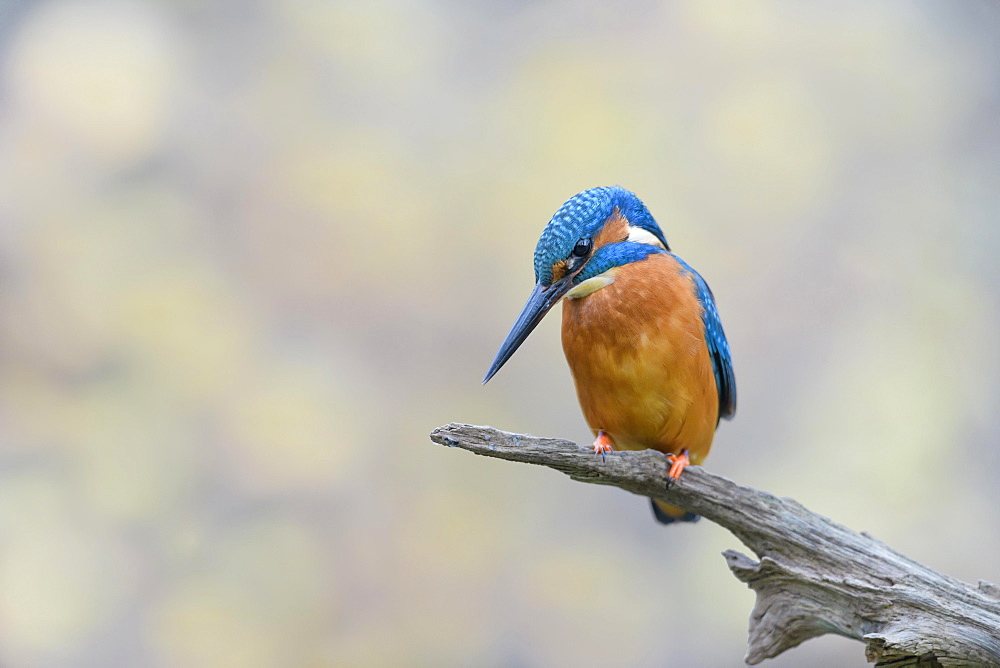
[(718, 346)]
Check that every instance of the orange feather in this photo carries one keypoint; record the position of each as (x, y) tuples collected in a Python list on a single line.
[(615, 229), (638, 355)]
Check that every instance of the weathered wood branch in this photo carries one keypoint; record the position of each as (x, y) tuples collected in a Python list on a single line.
[(813, 576)]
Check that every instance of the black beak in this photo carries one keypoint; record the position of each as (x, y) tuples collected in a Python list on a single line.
[(542, 299)]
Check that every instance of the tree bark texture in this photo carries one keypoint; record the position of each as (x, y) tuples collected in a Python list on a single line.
[(812, 576)]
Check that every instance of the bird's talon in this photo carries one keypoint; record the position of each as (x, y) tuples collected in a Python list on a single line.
[(677, 464), (602, 445)]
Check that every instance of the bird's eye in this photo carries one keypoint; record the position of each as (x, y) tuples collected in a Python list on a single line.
[(582, 247)]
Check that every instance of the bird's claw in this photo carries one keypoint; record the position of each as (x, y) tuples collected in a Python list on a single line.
[(602, 445), (677, 464)]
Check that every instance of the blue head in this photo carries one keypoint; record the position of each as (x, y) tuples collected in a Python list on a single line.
[(583, 218), (593, 232)]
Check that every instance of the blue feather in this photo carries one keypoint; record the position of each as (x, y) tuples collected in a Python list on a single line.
[(718, 346), (615, 255)]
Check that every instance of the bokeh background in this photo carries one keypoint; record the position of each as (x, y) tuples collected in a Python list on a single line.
[(251, 253)]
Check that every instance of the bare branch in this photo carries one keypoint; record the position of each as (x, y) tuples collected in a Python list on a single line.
[(813, 576)]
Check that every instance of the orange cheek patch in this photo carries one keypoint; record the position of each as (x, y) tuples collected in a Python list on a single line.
[(558, 270), (614, 230)]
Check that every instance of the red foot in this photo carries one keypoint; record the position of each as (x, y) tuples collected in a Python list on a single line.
[(677, 464), (602, 445)]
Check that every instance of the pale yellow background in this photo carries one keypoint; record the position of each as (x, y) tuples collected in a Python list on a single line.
[(251, 253)]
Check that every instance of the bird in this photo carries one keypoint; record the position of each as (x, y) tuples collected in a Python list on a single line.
[(640, 331)]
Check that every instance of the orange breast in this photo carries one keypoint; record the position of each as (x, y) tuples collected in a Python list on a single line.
[(639, 360)]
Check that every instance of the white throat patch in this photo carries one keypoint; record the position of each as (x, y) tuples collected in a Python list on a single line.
[(592, 285)]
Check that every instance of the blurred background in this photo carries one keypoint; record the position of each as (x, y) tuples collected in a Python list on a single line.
[(251, 253)]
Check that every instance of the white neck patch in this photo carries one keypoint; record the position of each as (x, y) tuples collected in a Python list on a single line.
[(643, 236)]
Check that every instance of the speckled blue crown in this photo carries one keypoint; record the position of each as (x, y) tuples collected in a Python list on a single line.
[(583, 216)]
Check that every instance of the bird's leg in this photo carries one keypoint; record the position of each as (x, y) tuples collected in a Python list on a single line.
[(677, 464), (603, 444)]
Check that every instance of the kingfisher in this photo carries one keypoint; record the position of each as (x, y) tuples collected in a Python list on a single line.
[(640, 331)]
